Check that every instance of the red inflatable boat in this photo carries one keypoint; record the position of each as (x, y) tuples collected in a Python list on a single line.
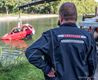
[(19, 32)]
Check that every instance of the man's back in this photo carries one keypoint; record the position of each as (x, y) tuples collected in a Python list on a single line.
[(71, 51), (67, 49)]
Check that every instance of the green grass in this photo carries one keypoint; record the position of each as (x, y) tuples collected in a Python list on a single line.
[(23, 71)]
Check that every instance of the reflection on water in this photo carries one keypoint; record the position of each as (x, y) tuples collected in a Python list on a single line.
[(21, 44), (11, 52), (8, 57)]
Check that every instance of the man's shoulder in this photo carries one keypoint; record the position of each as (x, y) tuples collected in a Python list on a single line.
[(51, 30), (87, 33), (84, 31)]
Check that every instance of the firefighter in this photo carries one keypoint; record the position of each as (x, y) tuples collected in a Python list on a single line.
[(66, 52)]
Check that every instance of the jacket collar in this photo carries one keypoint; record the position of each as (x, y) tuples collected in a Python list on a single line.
[(68, 25)]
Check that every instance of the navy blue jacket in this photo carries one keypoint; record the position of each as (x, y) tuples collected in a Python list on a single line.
[(71, 51)]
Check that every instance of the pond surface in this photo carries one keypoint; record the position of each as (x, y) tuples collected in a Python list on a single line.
[(10, 51)]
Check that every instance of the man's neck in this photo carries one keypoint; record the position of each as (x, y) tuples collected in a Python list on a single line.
[(69, 21)]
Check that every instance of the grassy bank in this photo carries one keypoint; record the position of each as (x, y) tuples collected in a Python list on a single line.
[(22, 14), (12, 14), (15, 14), (12, 17), (23, 71)]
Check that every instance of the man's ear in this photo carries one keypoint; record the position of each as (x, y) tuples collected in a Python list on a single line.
[(61, 19)]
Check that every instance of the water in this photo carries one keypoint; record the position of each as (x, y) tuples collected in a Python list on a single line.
[(12, 51)]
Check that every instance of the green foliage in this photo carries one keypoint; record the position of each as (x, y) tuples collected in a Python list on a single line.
[(45, 8), (83, 6), (11, 5)]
